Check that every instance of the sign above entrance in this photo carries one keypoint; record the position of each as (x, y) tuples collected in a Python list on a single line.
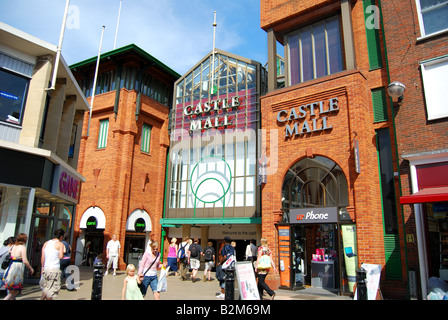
[(92, 223), (314, 215), (319, 112), (140, 225)]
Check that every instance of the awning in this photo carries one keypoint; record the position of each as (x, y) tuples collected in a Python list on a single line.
[(436, 194)]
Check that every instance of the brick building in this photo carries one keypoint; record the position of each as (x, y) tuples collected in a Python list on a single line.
[(417, 54), (123, 151), (331, 192)]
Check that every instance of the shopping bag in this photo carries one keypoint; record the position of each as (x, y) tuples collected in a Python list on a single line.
[(265, 262), (162, 285)]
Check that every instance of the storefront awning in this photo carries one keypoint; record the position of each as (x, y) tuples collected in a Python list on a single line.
[(436, 194)]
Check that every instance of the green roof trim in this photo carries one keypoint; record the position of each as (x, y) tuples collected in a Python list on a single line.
[(221, 221), (128, 48)]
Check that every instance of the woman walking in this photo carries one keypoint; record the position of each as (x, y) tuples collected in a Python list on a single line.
[(172, 256), (264, 264), (14, 273)]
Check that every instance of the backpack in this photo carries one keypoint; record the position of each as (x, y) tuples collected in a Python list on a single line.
[(194, 250), (208, 254), (181, 252)]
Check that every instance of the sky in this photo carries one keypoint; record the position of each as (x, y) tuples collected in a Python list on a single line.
[(179, 33)]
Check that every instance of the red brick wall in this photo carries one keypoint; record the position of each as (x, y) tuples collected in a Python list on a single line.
[(121, 186), (354, 120), (414, 133)]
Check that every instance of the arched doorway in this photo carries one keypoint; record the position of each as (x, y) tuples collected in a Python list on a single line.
[(314, 195), (91, 241), (138, 229)]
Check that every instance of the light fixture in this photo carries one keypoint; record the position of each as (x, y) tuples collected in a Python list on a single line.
[(395, 90)]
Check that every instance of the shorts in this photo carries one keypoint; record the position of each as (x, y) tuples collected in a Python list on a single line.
[(114, 260), (151, 281), (50, 283), (208, 265), (195, 263)]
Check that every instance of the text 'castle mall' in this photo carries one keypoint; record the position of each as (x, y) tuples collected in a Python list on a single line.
[(312, 150)]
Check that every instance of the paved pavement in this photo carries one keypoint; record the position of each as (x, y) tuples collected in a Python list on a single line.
[(176, 290)]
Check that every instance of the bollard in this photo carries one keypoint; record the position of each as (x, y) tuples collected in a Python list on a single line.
[(97, 284), (230, 282), (361, 283)]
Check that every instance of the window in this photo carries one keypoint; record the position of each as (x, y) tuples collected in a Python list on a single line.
[(13, 91), (390, 219), (315, 51), (102, 137), (433, 16), (146, 138), (436, 88), (379, 105)]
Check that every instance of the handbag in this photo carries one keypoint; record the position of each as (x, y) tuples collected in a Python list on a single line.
[(7, 259), (265, 262), (140, 285)]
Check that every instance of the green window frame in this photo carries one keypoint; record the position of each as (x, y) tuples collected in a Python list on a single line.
[(146, 138), (379, 102), (371, 14), (102, 136)]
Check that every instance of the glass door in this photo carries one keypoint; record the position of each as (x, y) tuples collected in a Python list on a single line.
[(298, 256)]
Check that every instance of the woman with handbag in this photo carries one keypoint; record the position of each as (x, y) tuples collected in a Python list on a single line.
[(14, 273), (264, 264), (148, 270)]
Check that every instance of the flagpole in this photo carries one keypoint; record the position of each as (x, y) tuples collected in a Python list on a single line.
[(95, 79), (213, 55), (59, 48), (118, 22)]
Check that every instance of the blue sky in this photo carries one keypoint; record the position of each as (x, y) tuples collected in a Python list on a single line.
[(177, 32)]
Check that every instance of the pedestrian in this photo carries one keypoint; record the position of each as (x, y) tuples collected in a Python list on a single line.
[(228, 251), (148, 270), (195, 251), (65, 261), (52, 253), (112, 254), (172, 256), (13, 277), (264, 264), (209, 259), (251, 251), (131, 291), (182, 255), (7, 244)]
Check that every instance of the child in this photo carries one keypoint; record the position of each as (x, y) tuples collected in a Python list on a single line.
[(131, 291)]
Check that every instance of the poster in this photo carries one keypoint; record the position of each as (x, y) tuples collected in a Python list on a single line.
[(247, 283), (373, 275), (350, 253)]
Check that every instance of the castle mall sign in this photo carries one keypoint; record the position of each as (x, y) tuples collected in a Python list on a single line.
[(319, 110), (206, 108)]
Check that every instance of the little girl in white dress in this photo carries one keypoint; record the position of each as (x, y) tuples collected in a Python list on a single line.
[(131, 291)]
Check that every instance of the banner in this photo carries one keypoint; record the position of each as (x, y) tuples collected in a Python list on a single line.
[(350, 256)]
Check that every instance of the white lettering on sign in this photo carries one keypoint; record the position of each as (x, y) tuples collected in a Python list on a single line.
[(318, 216), (208, 107)]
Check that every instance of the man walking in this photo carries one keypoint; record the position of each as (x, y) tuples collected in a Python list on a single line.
[(112, 254), (195, 256), (52, 252)]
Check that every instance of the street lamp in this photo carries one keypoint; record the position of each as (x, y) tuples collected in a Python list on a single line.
[(396, 90)]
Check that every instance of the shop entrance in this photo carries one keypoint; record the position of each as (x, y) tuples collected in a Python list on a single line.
[(314, 201)]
